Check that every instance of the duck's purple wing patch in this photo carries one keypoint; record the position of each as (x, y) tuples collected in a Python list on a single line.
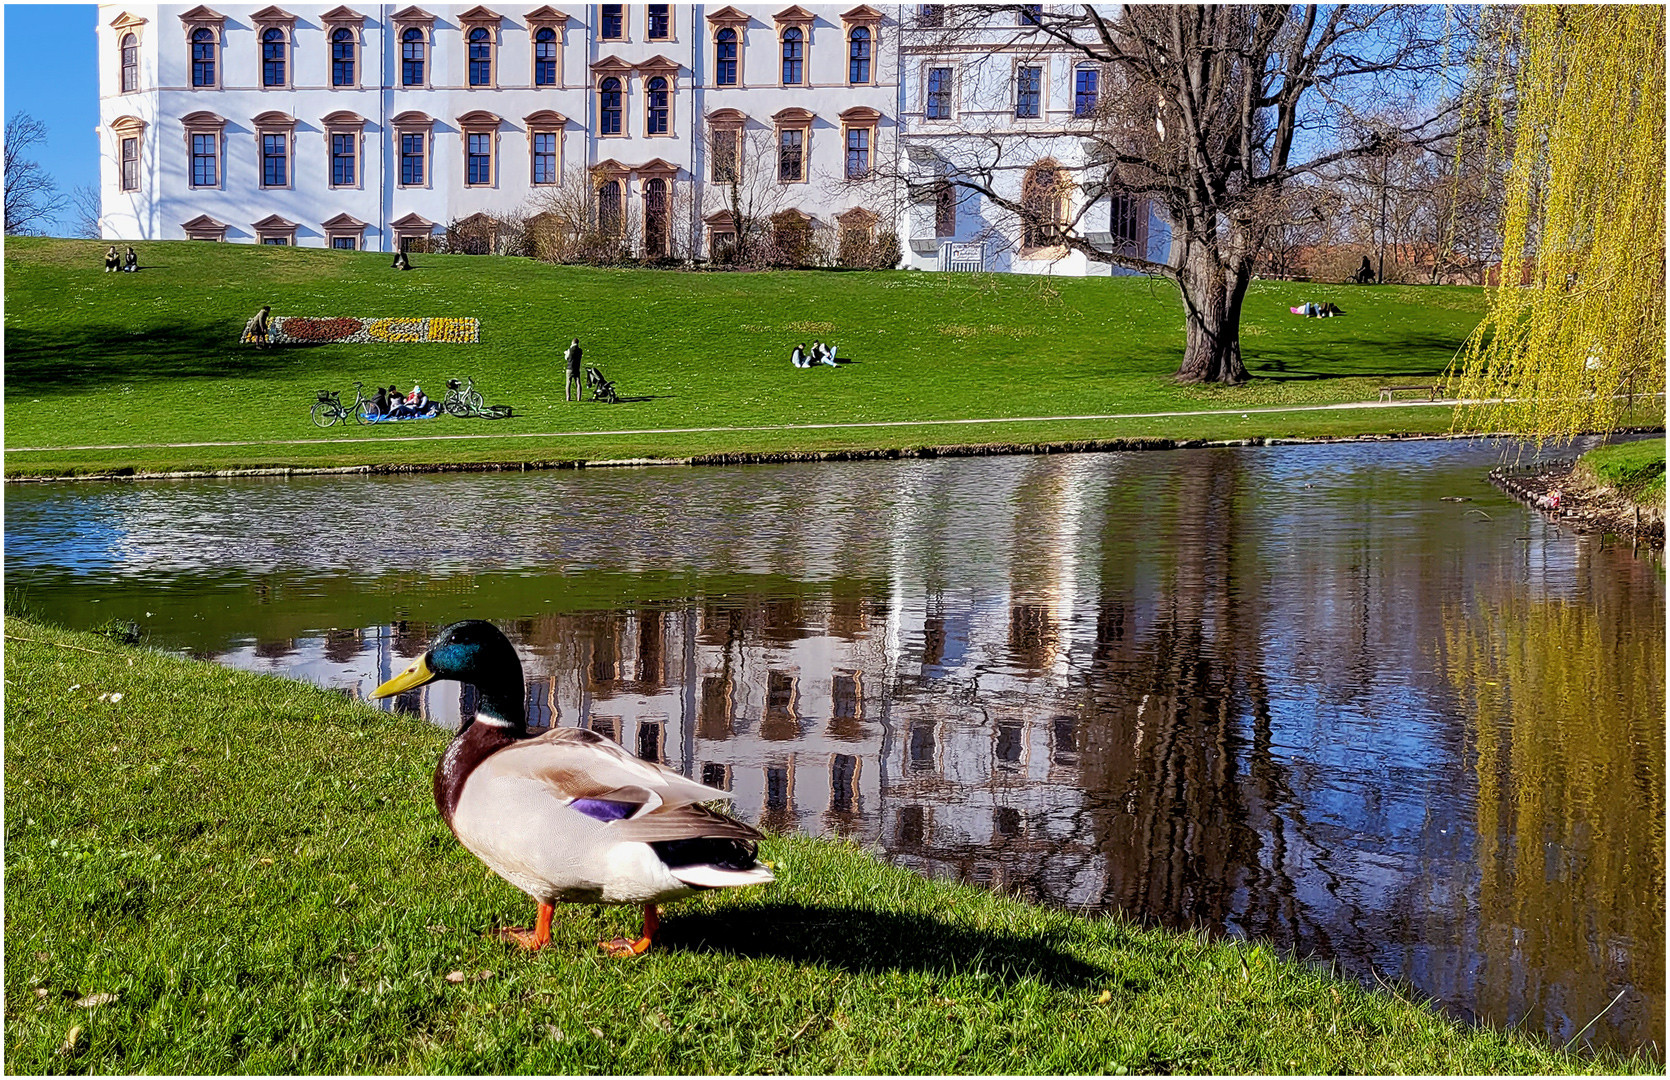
[(604, 809)]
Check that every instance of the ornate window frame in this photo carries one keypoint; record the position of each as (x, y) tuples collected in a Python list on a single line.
[(481, 18), (344, 18), (1036, 240), (603, 174), (545, 122), (480, 122), (672, 25), (625, 34), (204, 227), (126, 25), (719, 224), (863, 17), (659, 67), (733, 122), (275, 226), (664, 172), (860, 118), (793, 118), (343, 225), (414, 18), (282, 125), (794, 18), (275, 18), (729, 18), (612, 67), (204, 122), (950, 92), (545, 18), (344, 122), (413, 226), (198, 18), (421, 124), (1029, 63), (125, 128)]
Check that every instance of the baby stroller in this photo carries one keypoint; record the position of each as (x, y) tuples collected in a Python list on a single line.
[(601, 389)]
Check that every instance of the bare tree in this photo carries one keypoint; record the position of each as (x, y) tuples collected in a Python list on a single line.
[(84, 204), (746, 182), (32, 196), (1211, 112)]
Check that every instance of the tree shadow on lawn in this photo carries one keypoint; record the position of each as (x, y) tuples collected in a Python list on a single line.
[(869, 941), (83, 357), (1345, 359)]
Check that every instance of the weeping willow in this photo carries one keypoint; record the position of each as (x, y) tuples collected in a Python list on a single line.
[(1583, 227)]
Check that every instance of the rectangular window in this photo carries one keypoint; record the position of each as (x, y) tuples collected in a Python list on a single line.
[(275, 160), (613, 22), (1125, 221), (344, 243), (660, 22), (945, 211), (724, 58), (205, 163), (1084, 91), (276, 241), (1031, 14), (939, 94), (203, 60), (342, 59), (130, 164), (1028, 82), (791, 146), (726, 146), (858, 153), (481, 159), (545, 157), (411, 160), (342, 160), (930, 16)]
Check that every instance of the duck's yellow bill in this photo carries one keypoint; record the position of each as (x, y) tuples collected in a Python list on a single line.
[(416, 675)]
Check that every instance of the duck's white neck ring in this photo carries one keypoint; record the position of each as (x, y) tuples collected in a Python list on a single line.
[(492, 721)]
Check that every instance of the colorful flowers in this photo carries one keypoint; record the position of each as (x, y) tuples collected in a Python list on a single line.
[(294, 329)]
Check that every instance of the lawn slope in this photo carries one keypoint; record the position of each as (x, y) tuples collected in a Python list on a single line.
[(211, 871)]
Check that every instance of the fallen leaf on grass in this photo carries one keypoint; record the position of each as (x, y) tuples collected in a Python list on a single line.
[(1104, 997), (41, 991), (93, 1001), (596, 1031), (455, 976), (72, 1041)]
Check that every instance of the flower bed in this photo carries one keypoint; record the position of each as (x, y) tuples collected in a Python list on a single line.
[(295, 329)]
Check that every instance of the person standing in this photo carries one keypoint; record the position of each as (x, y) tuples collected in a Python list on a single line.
[(572, 359), (258, 327)]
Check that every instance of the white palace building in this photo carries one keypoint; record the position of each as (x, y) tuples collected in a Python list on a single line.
[(371, 127)]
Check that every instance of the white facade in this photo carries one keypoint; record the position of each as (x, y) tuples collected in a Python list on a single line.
[(364, 126)]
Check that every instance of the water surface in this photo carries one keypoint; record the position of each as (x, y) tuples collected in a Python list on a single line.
[(1293, 693)]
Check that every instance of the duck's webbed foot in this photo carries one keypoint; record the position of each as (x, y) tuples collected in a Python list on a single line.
[(532, 940), (624, 948)]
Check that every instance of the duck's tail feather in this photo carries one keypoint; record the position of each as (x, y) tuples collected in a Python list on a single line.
[(708, 876)]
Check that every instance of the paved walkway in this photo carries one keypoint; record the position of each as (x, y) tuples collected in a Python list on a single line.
[(763, 427)]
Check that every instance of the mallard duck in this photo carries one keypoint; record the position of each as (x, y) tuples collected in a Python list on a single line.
[(569, 815)]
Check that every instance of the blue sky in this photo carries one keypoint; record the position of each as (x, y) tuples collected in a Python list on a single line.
[(52, 74)]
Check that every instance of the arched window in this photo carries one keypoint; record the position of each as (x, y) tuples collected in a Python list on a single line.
[(657, 219), (481, 57), (272, 57), (608, 106), (858, 66), (202, 57), (657, 94), (725, 58), (1043, 205), (342, 57), (794, 56), (609, 208), (411, 57), (545, 57), (130, 63)]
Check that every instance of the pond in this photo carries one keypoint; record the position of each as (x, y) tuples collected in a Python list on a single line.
[(1349, 699)]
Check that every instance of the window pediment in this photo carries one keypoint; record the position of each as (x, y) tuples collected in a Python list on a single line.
[(275, 223), (720, 219), (413, 220), (858, 216), (728, 16), (479, 120), (127, 125), (202, 16), (273, 120), (658, 65), (794, 117), (793, 16), (727, 118), (343, 118), (545, 118), (611, 65), (862, 15), (413, 118), (204, 227), (343, 221), (657, 167), (273, 16), (126, 21), (792, 216), (203, 121), (546, 16), (412, 16), (861, 114), (342, 16), (480, 16)]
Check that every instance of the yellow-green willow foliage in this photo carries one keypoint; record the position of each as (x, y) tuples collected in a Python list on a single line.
[(1583, 223)]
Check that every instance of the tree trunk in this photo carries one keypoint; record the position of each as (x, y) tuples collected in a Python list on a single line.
[(1212, 296)]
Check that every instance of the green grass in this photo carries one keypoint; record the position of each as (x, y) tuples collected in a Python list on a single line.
[(96, 359), (253, 872), (1635, 469)]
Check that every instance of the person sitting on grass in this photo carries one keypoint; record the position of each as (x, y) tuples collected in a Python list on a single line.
[(798, 357), (380, 402), (818, 353), (419, 402), (112, 261), (131, 265), (829, 356)]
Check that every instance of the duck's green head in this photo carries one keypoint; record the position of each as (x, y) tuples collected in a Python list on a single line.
[(474, 652)]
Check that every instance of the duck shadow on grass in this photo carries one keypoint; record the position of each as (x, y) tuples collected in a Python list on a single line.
[(869, 941)]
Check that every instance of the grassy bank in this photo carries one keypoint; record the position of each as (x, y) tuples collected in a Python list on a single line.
[(1634, 470), (227, 872), (145, 362)]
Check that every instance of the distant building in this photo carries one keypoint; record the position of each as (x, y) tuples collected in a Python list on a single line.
[(377, 128)]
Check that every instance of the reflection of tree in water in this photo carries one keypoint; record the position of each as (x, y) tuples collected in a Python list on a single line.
[(1568, 701)]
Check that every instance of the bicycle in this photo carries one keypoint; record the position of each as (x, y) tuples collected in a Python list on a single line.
[(329, 408), (465, 401)]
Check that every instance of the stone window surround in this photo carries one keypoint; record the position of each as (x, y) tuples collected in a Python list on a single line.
[(275, 225), (794, 18), (668, 69), (870, 19), (205, 18), (344, 224), (729, 18), (482, 18), (412, 226), (672, 26), (344, 18), (856, 118), (413, 18), (725, 120), (625, 25), (611, 172), (928, 67), (274, 18), (1043, 66), (414, 122), (274, 122), (480, 122), (719, 224), (204, 227), (788, 120), (204, 122), (344, 122), (861, 219), (124, 128), (541, 19), (613, 67), (1062, 208), (545, 122), (123, 25)]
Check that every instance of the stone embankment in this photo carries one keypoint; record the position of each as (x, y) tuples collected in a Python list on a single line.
[(1582, 505)]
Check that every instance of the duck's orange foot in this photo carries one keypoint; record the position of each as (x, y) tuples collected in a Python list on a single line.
[(622, 949), (532, 940)]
